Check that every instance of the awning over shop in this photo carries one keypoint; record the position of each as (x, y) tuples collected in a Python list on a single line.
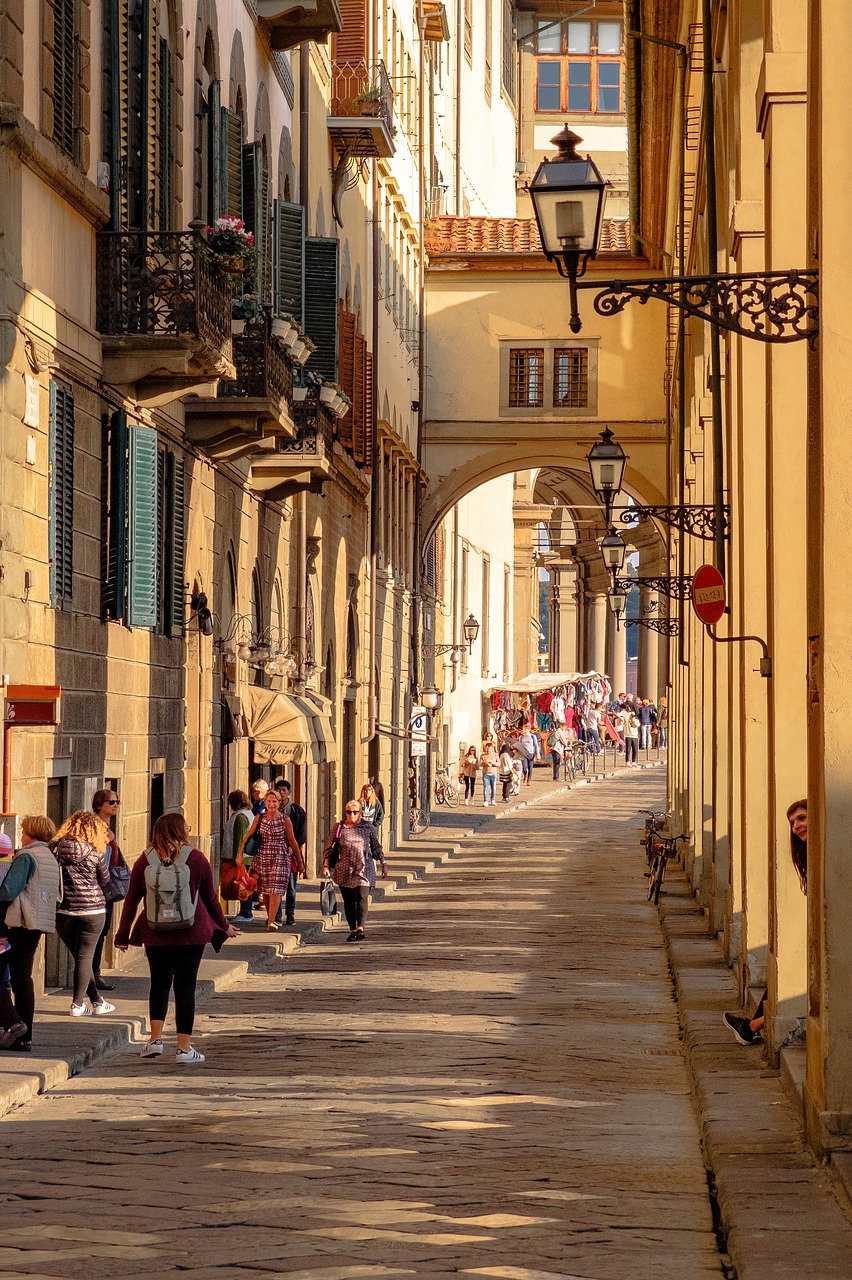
[(321, 709), (541, 681), (287, 729)]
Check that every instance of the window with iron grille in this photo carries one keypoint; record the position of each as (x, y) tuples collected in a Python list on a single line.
[(570, 378), (64, 75), (526, 378)]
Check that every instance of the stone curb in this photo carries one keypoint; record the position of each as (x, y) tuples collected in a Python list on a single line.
[(779, 1216)]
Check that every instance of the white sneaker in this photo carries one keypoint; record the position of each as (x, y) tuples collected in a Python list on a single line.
[(152, 1049), (80, 1011), (103, 1006), (189, 1055)]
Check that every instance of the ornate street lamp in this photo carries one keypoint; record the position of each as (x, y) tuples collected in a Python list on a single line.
[(607, 461), (471, 631), (613, 551), (567, 196), (431, 698)]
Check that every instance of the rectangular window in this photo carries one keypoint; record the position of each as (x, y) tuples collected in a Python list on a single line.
[(587, 74), (468, 29), (508, 60), (549, 91), (288, 260), (571, 378), (61, 496), (321, 270), (526, 378), (489, 40), (485, 633), (65, 76)]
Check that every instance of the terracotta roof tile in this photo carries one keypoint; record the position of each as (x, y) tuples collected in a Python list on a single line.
[(450, 235)]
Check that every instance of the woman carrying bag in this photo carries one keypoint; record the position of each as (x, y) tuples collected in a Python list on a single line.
[(278, 852), (350, 858), (80, 845), (173, 953)]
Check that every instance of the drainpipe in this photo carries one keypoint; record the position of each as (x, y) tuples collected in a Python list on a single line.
[(713, 255), (459, 60), (375, 496)]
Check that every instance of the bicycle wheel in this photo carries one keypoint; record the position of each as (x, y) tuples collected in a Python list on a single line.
[(656, 880), (451, 796), (580, 758), (440, 793)]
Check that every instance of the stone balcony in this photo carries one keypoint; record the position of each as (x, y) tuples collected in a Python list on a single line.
[(285, 467), (254, 407), (163, 312), (360, 121), (291, 22)]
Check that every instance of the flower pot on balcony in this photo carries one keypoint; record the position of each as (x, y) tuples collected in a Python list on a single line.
[(238, 327), (284, 330), (300, 395), (297, 350), (233, 264), (328, 393)]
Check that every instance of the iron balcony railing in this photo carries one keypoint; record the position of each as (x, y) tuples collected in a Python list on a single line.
[(315, 430), (161, 284), (263, 370), (362, 89)]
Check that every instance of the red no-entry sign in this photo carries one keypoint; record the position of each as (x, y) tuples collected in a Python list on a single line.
[(708, 594)]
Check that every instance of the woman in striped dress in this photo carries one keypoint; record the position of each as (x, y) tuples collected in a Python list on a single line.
[(278, 852)]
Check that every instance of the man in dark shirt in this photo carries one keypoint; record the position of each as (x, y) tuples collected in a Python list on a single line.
[(299, 818)]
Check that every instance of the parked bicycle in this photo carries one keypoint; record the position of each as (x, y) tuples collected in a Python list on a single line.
[(418, 820), (446, 790), (654, 823), (665, 847)]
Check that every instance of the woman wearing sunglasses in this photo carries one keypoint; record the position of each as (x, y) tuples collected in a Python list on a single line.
[(357, 851), (105, 805)]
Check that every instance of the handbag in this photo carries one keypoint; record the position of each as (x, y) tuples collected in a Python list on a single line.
[(328, 899), (245, 885), (252, 845), (333, 852), (119, 879)]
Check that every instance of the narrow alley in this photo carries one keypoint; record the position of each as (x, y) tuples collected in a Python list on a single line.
[(491, 1086)]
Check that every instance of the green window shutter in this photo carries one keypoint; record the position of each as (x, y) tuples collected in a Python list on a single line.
[(288, 268), (116, 489), (232, 164), (143, 558), (65, 76), (61, 496), (176, 544), (256, 210), (321, 289), (214, 151)]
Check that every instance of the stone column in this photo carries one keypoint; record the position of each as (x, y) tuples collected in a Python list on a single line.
[(596, 648), (646, 673), (616, 649), (563, 617)]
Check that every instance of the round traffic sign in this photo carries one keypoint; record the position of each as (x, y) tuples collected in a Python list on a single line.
[(708, 594)]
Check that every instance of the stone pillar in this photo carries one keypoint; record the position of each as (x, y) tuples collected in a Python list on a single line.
[(646, 675), (616, 649), (563, 617), (596, 648)]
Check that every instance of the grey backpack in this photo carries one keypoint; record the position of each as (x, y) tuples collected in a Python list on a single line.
[(169, 903)]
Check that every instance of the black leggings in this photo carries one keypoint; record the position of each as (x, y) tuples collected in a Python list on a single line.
[(174, 966), (20, 961), (80, 935), (631, 750), (469, 787), (355, 903), (99, 948)]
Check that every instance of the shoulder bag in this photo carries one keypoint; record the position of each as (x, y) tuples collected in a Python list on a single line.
[(119, 878), (332, 853)]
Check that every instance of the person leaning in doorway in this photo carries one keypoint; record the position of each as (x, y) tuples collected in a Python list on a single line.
[(354, 872)]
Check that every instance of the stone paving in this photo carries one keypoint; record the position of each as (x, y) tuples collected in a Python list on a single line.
[(492, 1085)]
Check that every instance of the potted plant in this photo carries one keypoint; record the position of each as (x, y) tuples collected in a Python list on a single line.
[(285, 329), (231, 245), (307, 348), (329, 392), (369, 101), (248, 307)]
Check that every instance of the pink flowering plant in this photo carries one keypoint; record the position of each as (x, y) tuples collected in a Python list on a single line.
[(232, 244)]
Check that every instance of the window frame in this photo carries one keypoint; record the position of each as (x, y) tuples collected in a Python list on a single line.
[(548, 410), (594, 59)]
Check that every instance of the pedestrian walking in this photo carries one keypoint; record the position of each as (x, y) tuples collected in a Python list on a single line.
[(371, 806), (490, 763), (468, 765), (299, 819), (663, 723), (527, 754), (31, 888), (349, 858), (506, 772), (630, 733), (647, 714), (277, 854), (105, 805), (558, 743), (79, 849), (591, 725), (173, 954)]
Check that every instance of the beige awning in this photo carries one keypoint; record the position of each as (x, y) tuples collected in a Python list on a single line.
[(288, 729)]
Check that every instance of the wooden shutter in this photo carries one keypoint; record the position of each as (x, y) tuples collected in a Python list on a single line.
[(347, 372), (176, 544), (360, 398), (214, 151), (288, 283), (369, 414), (116, 486), (350, 44), (163, 202), (65, 76), (143, 558), (256, 210), (231, 160), (321, 290), (61, 496)]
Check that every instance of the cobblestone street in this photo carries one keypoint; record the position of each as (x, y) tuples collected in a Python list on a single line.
[(491, 1086)]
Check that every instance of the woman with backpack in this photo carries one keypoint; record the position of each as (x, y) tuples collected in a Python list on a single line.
[(80, 845), (182, 914)]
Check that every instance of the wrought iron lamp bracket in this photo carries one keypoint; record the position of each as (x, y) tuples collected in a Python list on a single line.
[(437, 650), (677, 587), (665, 626), (697, 519), (771, 306)]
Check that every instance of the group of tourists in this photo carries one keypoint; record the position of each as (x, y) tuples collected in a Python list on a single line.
[(68, 882)]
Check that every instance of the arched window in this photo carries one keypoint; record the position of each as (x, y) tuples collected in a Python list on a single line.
[(310, 627), (352, 647), (229, 594)]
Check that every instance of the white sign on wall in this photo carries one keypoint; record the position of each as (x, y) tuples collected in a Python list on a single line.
[(31, 407), (419, 730)]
